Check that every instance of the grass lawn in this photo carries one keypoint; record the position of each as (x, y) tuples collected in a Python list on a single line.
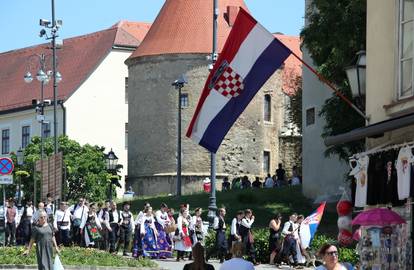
[(263, 202)]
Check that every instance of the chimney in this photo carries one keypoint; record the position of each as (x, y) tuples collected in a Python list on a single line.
[(231, 14)]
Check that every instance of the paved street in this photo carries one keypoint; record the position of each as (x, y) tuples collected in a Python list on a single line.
[(173, 265)]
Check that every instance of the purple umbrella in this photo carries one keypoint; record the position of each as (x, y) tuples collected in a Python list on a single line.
[(378, 217)]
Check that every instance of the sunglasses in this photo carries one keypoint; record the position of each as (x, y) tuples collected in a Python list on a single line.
[(332, 253)]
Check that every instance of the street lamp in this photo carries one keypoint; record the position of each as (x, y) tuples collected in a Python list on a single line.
[(54, 26), (356, 77), (179, 84), (20, 161), (111, 166)]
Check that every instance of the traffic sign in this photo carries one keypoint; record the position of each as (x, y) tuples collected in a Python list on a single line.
[(6, 179), (6, 166)]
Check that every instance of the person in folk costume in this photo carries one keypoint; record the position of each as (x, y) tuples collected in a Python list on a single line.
[(219, 225), (137, 244), (247, 235), (183, 243), (149, 234), (172, 228), (61, 224), (162, 221), (79, 213), (290, 241), (235, 228), (26, 221), (90, 227), (197, 225), (126, 228), (115, 219), (103, 216)]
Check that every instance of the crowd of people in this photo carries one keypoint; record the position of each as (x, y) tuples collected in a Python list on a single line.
[(154, 234), (277, 180)]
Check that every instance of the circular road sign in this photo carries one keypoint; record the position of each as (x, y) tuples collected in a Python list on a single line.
[(6, 166)]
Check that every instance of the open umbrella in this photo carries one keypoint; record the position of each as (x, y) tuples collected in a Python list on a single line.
[(378, 217)]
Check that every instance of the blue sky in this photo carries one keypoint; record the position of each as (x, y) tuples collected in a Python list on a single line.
[(19, 19)]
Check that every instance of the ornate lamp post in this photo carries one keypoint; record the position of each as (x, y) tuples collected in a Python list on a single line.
[(111, 166)]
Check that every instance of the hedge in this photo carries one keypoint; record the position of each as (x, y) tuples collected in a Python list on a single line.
[(261, 242), (73, 256)]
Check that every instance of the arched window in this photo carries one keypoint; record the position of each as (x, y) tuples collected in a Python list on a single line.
[(267, 108)]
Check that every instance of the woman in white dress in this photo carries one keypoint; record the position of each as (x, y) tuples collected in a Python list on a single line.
[(183, 243)]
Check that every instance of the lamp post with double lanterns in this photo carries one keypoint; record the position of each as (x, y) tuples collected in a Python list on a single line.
[(357, 79), (43, 77), (111, 166), (20, 162)]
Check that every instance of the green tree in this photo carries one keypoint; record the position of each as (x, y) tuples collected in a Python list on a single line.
[(85, 168), (336, 31)]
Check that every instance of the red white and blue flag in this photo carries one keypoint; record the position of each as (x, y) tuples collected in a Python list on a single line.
[(250, 56), (310, 225)]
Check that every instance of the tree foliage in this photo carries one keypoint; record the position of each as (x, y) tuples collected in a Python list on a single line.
[(336, 31), (84, 167)]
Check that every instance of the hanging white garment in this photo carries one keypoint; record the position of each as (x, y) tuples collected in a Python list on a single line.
[(403, 166), (360, 173)]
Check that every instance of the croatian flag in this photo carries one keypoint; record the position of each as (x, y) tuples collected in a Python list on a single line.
[(310, 225), (249, 57)]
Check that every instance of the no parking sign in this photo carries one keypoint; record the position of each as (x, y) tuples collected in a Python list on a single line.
[(6, 169)]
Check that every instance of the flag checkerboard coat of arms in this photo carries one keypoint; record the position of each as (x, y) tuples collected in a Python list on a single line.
[(249, 57)]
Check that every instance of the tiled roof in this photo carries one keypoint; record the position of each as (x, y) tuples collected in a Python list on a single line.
[(77, 59), (186, 26), (129, 33), (292, 67)]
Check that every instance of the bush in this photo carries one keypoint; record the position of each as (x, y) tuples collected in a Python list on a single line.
[(261, 243), (247, 198), (72, 256)]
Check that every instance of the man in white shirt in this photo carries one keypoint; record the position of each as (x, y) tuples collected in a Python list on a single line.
[(115, 220), (61, 224), (235, 227), (219, 226), (79, 215), (103, 217), (246, 234), (290, 232)]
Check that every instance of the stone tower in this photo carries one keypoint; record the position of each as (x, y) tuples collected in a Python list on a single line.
[(179, 42)]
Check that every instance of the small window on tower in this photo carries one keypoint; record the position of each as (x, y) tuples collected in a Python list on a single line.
[(126, 90), (184, 100), (310, 116), (267, 108)]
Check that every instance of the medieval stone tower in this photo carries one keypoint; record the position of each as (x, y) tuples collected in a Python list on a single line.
[(179, 42)]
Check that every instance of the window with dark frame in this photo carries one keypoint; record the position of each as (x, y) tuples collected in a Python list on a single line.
[(184, 100), (126, 90), (25, 136), (5, 141), (46, 130), (310, 116), (266, 161), (267, 108)]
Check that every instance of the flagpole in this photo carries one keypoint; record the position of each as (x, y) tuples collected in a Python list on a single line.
[(332, 87), (212, 207)]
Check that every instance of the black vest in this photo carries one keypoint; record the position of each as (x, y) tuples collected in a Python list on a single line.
[(111, 216)]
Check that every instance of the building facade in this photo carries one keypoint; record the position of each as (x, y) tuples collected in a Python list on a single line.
[(93, 95), (322, 175), (180, 44)]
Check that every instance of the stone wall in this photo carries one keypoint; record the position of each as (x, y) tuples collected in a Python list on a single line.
[(167, 184), (290, 153), (153, 125)]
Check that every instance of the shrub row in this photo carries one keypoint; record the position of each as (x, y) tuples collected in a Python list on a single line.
[(73, 256)]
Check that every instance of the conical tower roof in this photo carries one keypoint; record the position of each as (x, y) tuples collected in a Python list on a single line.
[(186, 26)]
